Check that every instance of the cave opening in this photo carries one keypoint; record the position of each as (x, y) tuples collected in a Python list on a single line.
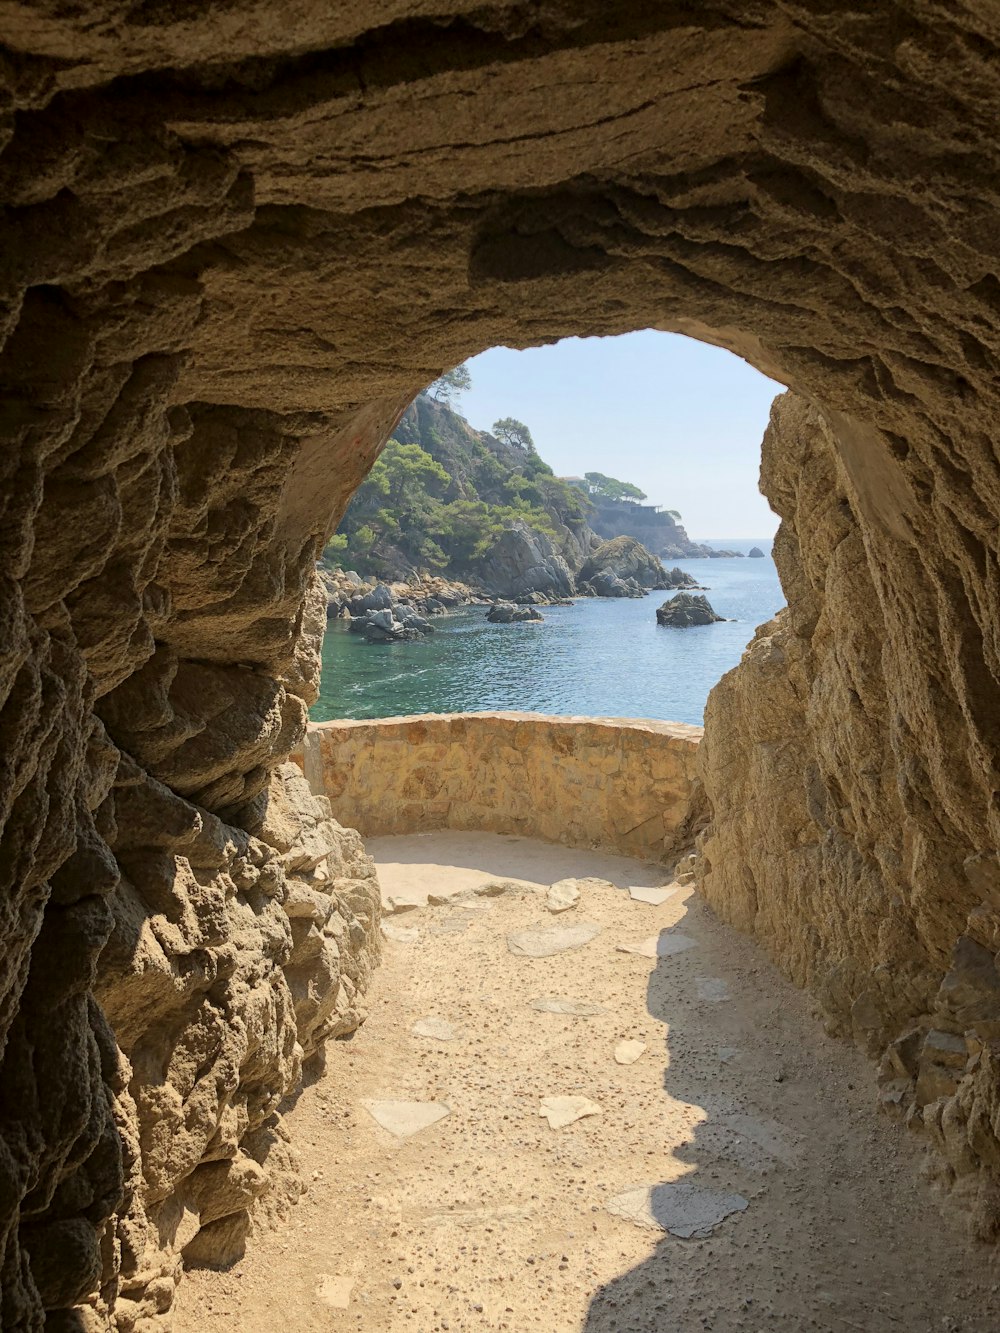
[(481, 497)]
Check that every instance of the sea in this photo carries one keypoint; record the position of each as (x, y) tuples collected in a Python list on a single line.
[(599, 657)]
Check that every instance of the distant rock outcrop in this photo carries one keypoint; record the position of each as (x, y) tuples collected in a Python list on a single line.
[(394, 624), (508, 613), (623, 566), (686, 609), (658, 529), (755, 553), (680, 578), (606, 584), (524, 560)]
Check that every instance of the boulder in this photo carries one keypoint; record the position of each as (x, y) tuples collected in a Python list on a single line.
[(680, 578), (412, 619), (508, 613), (523, 560), (628, 561), (685, 610), (378, 598), (606, 584)]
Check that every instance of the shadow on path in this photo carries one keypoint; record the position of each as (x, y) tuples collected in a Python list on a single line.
[(788, 1205)]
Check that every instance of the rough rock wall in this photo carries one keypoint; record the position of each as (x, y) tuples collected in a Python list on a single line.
[(235, 240), (849, 765), (621, 784)]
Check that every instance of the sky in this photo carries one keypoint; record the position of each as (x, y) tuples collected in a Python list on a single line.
[(680, 419)]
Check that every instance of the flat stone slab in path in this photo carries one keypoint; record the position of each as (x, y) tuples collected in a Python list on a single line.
[(713, 989), (453, 926), (401, 934), (627, 1052), (543, 941), (659, 946), (438, 1029), (406, 1118), (563, 1111), (655, 897), (682, 1208), (555, 1004), (335, 1291)]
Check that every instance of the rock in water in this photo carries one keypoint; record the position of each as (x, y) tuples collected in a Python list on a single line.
[(755, 553), (507, 613), (606, 584), (685, 610), (622, 567), (680, 578)]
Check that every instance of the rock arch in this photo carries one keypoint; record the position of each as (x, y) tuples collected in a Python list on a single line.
[(236, 240)]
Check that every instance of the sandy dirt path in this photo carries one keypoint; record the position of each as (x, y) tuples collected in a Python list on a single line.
[(739, 1123)]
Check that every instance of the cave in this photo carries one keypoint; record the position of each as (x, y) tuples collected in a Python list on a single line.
[(237, 239)]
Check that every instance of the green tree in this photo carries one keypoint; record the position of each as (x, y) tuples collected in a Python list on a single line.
[(512, 431), (610, 488), (451, 384)]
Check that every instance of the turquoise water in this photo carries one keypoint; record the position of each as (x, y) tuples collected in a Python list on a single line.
[(598, 657)]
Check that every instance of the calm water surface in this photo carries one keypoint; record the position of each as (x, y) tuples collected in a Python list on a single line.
[(598, 657)]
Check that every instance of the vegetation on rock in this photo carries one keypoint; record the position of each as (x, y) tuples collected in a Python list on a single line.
[(451, 384), (441, 495), (610, 488)]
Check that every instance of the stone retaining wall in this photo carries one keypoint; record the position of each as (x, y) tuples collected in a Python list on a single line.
[(618, 784)]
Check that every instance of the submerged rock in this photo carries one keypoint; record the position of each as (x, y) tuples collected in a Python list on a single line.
[(685, 610)]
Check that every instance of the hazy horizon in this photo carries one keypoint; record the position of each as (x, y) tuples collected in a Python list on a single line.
[(679, 418)]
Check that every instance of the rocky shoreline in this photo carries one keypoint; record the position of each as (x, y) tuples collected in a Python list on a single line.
[(394, 611)]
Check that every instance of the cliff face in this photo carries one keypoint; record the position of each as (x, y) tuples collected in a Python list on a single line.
[(658, 531), (536, 553), (846, 831), (237, 240)]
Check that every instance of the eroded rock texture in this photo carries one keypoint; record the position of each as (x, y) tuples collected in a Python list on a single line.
[(236, 239), (850, 765)]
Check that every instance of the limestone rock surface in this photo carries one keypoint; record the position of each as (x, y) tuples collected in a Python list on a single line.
[(842, 830)]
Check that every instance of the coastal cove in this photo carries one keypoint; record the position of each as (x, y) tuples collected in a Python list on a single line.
[(597, 657)]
